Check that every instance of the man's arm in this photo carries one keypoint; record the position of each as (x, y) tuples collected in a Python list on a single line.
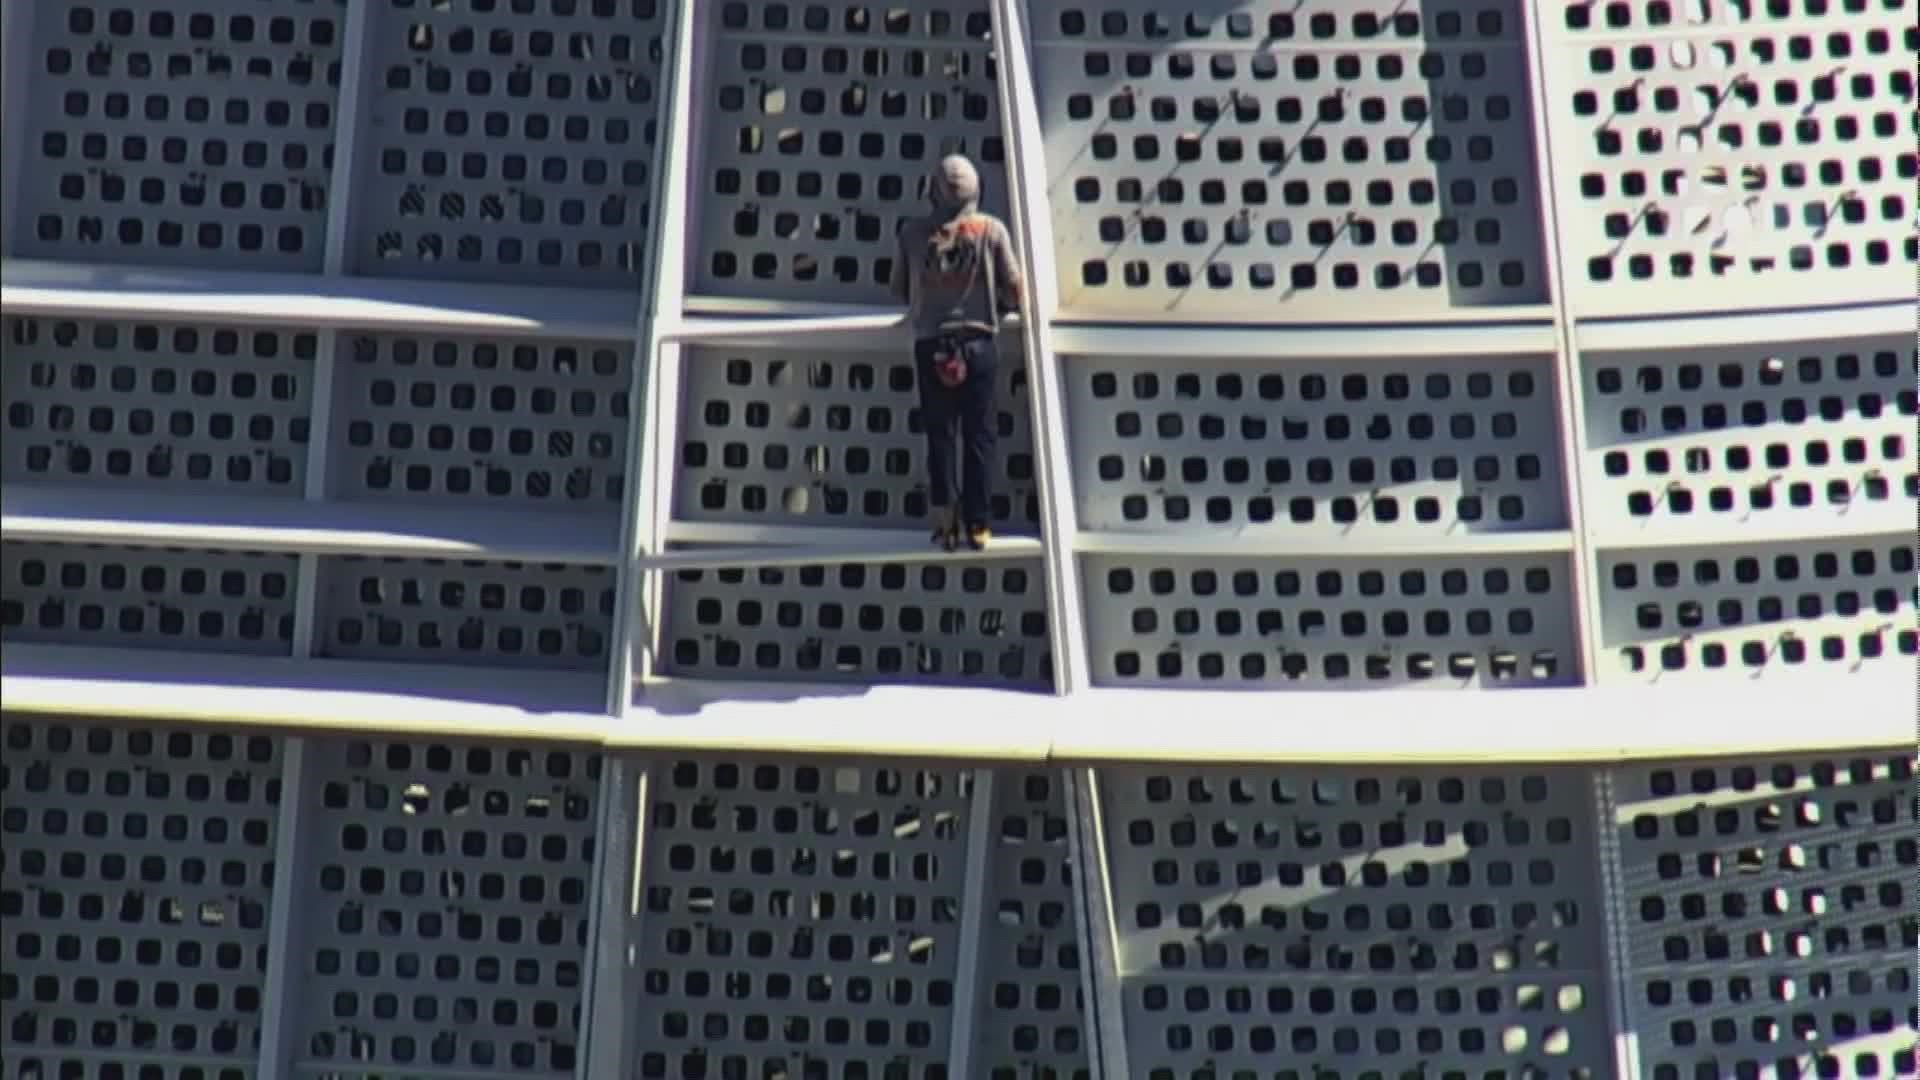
[(1006, 270), (902, 285)]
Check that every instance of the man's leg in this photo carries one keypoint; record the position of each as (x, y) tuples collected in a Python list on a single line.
[(977, 438), (940, 418)]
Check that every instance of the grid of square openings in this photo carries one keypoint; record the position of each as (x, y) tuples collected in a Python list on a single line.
[(1212, 164), (446, 907), (1766, 143), (1439, 447), (1426, 918), (134, 898), (199, 135), (1317, 623), (940, 622), (510, 140), (470, 612), (95, 403), (801, 918), (1770, 925), (1033, 1018), (157, 598), (826, 121), (1830, 605), (501, 423), (831, 439), (1747, 433)]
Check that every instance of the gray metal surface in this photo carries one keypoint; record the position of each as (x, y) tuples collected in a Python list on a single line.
[(489, 422), (1726, 156), (943, 621), (1294, 161), (1743, 611), (1744, 434), (1030, 1024), (445, 907), (1771, 922), (821, 125), (135, 883), (1342, 920), (160, 598), (789, 436), (508, 144), (800, 917), (194, 134), (1190, 445), (151, 406), (491, 614), (1317, 622)]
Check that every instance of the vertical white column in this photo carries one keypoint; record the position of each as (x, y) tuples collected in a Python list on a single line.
[(615, 905), (1613, 923), (1033, 232), (1103, 1013), (656, 392), (1569, 393), (286, 940), (306, 596), (974, 898), (16, 67)]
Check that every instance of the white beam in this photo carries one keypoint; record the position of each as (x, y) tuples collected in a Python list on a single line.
[(1264, 542), (1759, 330), (349, 115), (287, 923), (1237, 344), (16, 69), (976, 893), (613, 915)]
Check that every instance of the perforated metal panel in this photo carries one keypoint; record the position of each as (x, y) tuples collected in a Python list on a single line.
[(510, 143), (446, 907), (1440, 447), (824, 122), (483, 422), (1349, 922), (941, 621), (803, 437), (1295, 160), (801, 918), (161, 598), (1315, 623), (197, 134), (1740, 611), (1031, 1023), (1770, 926), (138, 876), (1749, 433), (470, 612), (1719, 156), (96, 403)]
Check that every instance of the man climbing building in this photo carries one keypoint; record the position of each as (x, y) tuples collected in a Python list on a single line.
[(957, 274)]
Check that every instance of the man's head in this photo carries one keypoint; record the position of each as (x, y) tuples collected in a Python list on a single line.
[(955, 184)]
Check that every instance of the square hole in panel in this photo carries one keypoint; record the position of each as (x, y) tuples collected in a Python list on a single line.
[(1294, 163), (1831, 606), (92, 403), (134, 896), (510, 144), (800, 909), (1440, 447), (1033, 1018), (495, 614), (449, 898), (197, 135), (154, 598), (1378, 920), (955, 622), (824, 125), (1455, 622), (1727, 156), (482, 422), (796, 437), (1818, 432), (1769, 914)]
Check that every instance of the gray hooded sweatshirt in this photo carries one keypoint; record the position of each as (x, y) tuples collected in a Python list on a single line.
[(940, 273)]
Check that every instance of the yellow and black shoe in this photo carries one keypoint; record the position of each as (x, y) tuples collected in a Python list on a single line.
[(978, 536), (946, 529)]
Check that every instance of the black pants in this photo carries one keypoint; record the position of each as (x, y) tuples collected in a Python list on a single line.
[(965, 411)]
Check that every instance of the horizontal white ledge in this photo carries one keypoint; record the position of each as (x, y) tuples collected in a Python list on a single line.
[(1359, 544), (1893, 518), (754, 546), (1759, 329), (868, 328), (1381, 341), (155, 685), (1094, 41), (311, 301), (150, 518)]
